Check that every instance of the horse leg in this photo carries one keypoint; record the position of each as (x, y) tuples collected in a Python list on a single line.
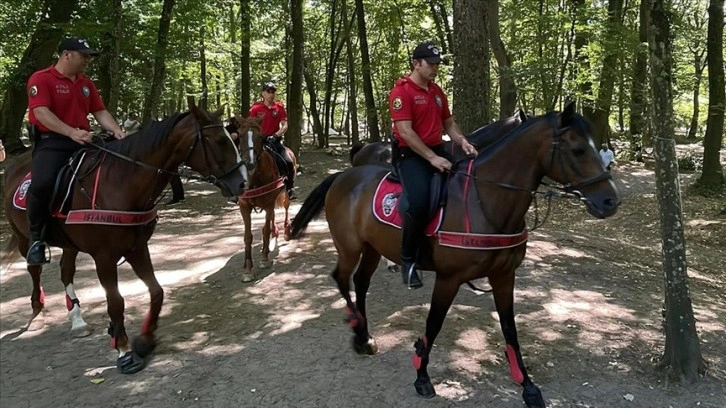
[(79, 327), (128, 361), (37, 297), (267, 229), (140, 261), (503, 290), (286, 225), (347, 260), (363, 342), (247, 274), (443, 296)]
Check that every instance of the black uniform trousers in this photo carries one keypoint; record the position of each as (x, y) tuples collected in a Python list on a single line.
[(276, 143)]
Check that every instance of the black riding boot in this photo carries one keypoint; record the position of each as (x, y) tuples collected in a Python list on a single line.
[(409, 252), (290, 181), (37, 218)]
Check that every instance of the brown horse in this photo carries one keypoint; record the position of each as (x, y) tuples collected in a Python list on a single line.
[(265, 190), (116, 187), (488, 198)]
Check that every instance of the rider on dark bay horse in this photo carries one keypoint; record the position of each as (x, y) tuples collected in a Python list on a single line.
[(59, 99), (420, 113)]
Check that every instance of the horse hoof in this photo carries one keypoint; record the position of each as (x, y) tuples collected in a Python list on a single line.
[(38, 323), (248, 277), (130, 363), (80, 331), (532, 397), (368, 348), (142, 346), (424, 388), (393, 269), (265, 264)]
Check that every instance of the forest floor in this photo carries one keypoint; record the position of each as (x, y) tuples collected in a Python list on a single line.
[(589, 301)]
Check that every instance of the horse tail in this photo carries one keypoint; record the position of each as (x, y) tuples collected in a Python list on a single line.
[(312, 207), (8, 253), (355, 149)]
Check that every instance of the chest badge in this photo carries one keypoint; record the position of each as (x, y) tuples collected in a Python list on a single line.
[(438, 100), (274, 114), (86, 91)]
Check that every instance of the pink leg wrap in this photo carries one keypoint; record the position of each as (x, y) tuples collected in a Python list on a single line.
[(514, 369)]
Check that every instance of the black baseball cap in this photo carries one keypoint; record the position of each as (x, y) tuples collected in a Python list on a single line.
[(428, 51), (269, 85), (76, 44)]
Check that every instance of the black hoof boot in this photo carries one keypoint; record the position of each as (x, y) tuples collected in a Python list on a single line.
[(424, 388), (142, 346), (130, 363), (532, 397), (36, 253), (411, 276)]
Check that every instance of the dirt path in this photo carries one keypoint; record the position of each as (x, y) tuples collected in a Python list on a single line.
[(588, 305)]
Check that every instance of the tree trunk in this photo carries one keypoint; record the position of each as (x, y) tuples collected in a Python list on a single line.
[(371, 111), (639, 87), (434, 7), (110, 71), (38, 54), (582, 40), (293, 137), (712, 176), (245, 75), (682, 355), (204, 100), (313, 95), (601, 111), (157, 82), (352, 91), (471, 63), (698, 65), (507, 87)]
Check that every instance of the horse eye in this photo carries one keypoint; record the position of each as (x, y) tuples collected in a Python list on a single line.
[(578, 151)]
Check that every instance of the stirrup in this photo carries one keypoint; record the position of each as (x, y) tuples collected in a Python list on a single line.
[(37, 253), (411, 276)]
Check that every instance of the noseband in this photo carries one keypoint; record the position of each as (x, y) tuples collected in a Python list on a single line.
[(211, 178)]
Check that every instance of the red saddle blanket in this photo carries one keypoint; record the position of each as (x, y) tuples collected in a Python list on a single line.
[(386, 210), (85, 216)]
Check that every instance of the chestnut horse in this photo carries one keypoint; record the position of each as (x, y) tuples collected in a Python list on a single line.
[(117, 187), (488, 198), (265, 190)]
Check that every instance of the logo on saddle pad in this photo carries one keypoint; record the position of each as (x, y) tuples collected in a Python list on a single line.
[(386, 206)]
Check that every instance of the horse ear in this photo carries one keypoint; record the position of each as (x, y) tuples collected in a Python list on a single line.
[(521, 115), (567, 115), (218, 113)]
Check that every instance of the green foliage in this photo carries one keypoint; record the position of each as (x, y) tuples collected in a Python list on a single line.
[(690, 162)]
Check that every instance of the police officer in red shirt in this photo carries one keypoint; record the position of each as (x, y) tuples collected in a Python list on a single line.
[(59, 100), (274, 126), (420, 114)]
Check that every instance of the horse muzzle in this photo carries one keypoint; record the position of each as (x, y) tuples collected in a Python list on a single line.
[(233, 183), (602, 203)]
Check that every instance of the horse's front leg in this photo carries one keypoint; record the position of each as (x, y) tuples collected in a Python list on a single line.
[(140, 261), (286, 225), (266, 232), (443, 296), (503, 290), (247, 274), (128, 361), (363, 342), (79, 327)]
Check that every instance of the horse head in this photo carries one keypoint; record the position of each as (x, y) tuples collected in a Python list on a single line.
[(250, 139), (213, 153), (573, 162)]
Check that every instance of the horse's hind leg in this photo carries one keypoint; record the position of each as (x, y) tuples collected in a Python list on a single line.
[(441, 299), (286, 225), (363, 343), (503, 290), (247, 274), (140, 261), (267, 230), (37, 297), (79, 327), (128, 361)]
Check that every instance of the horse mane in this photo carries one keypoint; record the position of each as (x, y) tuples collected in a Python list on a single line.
[(149, 137)]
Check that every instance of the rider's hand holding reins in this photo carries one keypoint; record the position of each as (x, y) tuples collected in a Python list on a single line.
[(81, 136), (468, 148), (440, 163)]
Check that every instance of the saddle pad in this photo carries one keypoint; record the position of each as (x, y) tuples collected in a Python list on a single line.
[(385, 206)]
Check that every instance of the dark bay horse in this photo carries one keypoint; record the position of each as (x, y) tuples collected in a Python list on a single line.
[(116, 188), (488, 198), (265, 190)]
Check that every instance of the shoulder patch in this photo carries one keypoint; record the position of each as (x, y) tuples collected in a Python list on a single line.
[(397, 103), (33, 90)]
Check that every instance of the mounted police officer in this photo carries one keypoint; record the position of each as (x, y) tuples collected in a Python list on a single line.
[(420, 114), (59, 100)]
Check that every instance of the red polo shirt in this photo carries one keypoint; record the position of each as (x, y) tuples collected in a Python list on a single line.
[(272, 116), (426, 109), (71, 101)]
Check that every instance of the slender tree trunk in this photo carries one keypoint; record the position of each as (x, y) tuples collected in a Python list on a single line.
[(38, 54), (352, 91), (293, 137), (682, 355), (371, 110), (157, 82), (507, 86), (110, 72), (582, 40), (313, 95), (712, 176), (245, 91), (439, 24), (471, 63), (698, 65), (638, 134), (204, 100)]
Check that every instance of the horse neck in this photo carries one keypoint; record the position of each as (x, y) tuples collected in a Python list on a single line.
[(517, 163), (266, 171)]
